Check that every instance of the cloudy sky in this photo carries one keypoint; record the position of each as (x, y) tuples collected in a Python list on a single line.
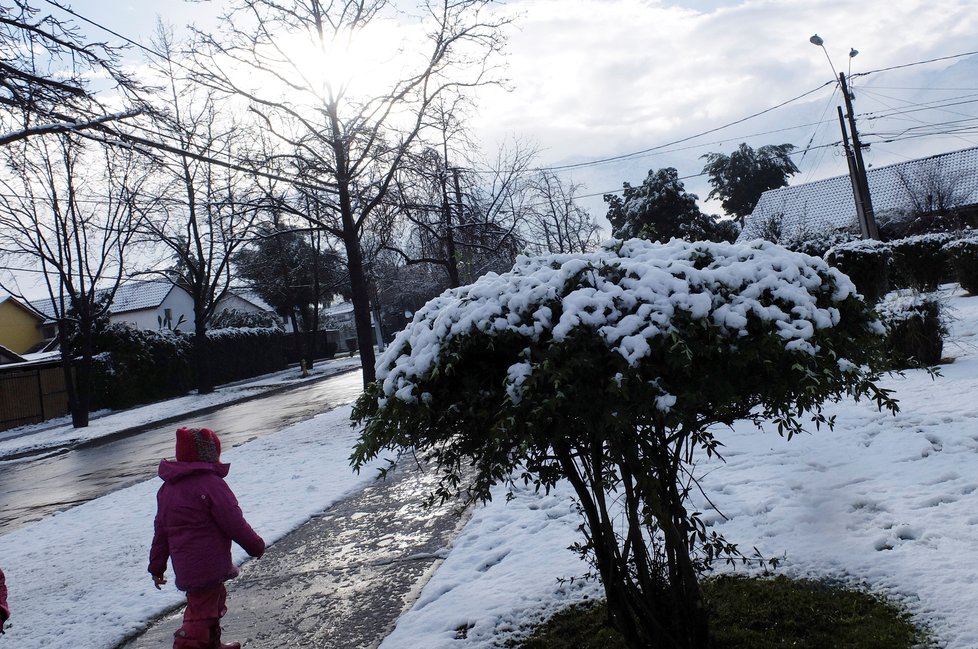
[(597, 79)]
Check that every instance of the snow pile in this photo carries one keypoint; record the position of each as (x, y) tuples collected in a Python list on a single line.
[(630, 293)]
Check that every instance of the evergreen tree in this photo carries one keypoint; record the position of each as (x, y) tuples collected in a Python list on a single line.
[(658, 210), (740, 178)]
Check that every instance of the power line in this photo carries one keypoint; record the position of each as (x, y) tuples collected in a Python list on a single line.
[(907, 65), (626, 156)]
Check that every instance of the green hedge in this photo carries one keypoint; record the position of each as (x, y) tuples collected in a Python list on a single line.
[(963, 255), (920, 262), (135, 366), (866, 262), (241, 353), (915, 328)]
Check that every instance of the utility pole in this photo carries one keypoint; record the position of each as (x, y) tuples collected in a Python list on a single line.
[(860, 184), (857, 193)]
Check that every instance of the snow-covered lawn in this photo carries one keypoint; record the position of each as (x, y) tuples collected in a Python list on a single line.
[(889, 502)]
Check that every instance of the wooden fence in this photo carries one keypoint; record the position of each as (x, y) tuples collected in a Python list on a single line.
[(31, 393)]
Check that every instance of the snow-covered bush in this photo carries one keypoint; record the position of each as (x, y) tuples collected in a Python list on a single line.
[(920, 262), (135, 366), (229, 318), (866, 262), (915, 328), (963, 255), (817, 242), (608, 370), (242, 352)]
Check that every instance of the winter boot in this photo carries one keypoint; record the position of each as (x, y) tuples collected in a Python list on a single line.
[(216, 640)]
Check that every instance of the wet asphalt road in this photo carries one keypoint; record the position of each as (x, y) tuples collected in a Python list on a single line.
[(36, 487), (341, 580)]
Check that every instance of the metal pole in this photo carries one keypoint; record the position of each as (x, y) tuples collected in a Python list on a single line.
[(868, 214), (857, 193)]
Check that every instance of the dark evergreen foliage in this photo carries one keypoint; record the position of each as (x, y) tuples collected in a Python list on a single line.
[(661, 209), (740, 178)]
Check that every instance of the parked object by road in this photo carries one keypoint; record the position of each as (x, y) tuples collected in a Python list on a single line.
[(197, 518)]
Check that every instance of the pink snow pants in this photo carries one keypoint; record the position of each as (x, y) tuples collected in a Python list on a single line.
[(201, 619)]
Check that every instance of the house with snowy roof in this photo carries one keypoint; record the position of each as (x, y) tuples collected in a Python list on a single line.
[(946, 182), (153, 304)]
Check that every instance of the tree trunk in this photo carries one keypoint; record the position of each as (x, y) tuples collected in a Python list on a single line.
[(361, 309), (202, 359), (79, 415)]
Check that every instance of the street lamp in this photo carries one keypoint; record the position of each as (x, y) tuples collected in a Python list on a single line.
[(857, 169)]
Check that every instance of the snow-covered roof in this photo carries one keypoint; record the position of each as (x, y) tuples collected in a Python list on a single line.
[(829, 203), (251, 297), (136, 296), (343, 308)]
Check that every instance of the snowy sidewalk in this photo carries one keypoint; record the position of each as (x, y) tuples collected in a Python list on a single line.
[(342, 579)]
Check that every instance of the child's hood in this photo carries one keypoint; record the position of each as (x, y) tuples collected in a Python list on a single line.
[(171, 470)]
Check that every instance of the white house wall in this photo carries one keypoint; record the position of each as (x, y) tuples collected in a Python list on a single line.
[(177, 301)]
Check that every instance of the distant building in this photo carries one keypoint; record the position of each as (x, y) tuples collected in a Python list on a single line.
[(20, 327), (160, 304), (944, 181)]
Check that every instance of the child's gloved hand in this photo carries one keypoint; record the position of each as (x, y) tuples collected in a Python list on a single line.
[(158, 581)]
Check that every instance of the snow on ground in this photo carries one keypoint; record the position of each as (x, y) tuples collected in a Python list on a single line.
[(78, 578), (887, 502)]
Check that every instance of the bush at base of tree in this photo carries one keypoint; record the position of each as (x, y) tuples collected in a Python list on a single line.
[(759, 613), (963, 255), (867, 263), (608, 370), (915, 328)]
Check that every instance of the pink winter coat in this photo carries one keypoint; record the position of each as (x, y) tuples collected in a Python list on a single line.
[(4, 609), (197, 518)]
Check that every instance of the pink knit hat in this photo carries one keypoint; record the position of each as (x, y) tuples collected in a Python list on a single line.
[(198, 445)]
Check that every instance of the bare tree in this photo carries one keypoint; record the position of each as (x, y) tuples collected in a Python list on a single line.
[(274, 53), (932, 195), (207, 211), (557, 223), (72, 212), (44, 75), (463, 220)]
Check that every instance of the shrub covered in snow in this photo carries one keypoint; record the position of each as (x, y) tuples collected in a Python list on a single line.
[(866, 262), (817, 242), (963, 255), (607, 370), (915, 328), (137, 366), (920, 262)]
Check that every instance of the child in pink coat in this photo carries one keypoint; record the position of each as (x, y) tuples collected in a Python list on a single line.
[(4, 609), (197, 518)]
